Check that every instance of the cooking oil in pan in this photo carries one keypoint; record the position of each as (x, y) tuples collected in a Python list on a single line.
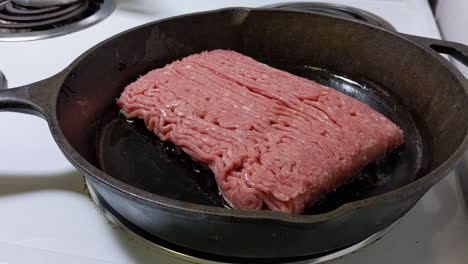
[(131, 153)]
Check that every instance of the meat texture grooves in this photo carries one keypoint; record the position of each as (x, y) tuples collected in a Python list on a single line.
[(272, 139)]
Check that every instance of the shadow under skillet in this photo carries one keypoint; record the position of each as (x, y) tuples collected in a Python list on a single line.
[(11, 184)]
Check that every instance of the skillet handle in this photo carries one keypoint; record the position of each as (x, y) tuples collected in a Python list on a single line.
[(454, 49), (37, 98)]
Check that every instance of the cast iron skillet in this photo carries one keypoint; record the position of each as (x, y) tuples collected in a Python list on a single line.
[(161, 192)]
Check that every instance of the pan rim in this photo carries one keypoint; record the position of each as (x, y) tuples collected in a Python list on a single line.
[(424, 182)]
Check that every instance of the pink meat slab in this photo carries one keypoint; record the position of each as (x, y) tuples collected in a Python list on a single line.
[(272, 139)]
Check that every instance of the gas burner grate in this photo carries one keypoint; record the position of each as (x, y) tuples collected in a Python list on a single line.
[(20, 23), (337, 10)]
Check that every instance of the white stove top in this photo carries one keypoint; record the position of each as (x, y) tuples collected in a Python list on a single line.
[(47, 217)]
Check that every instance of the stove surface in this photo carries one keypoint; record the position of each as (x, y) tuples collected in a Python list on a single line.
[(48, 217)]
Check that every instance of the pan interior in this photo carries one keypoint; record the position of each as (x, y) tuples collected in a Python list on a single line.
[(129, 152), (393, 75)]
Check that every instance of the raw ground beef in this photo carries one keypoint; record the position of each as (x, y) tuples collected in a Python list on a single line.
[(272, 139)]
